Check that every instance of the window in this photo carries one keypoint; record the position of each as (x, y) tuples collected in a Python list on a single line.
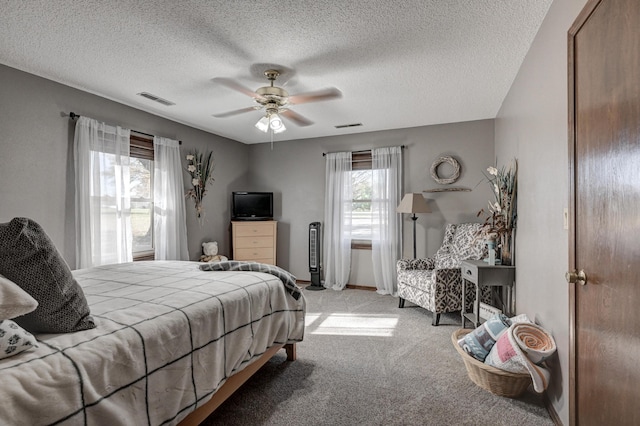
[(116, 171), (141, 195), (361, 214)]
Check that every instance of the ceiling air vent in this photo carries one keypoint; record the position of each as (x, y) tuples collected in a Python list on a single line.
[(156, 98), (342, 126)]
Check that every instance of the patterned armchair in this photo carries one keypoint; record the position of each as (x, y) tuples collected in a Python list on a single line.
[(436, 283)]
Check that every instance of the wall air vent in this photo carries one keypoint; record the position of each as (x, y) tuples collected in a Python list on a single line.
[(342, 126), (156, 98)]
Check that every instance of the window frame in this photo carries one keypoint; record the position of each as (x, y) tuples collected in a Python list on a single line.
[(141, 146), (361, 160)]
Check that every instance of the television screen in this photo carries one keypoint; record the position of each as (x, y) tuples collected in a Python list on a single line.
[(252, 205)]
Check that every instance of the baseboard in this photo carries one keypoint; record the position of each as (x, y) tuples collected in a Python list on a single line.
[(350, 286), (551, 410), (361, 287)]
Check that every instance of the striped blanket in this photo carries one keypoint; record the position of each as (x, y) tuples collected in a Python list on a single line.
[(288, 280)]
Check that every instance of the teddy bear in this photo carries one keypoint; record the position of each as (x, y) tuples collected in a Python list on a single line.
[(210, 251)]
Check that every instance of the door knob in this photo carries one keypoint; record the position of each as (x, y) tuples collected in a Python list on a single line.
[(576, 277)]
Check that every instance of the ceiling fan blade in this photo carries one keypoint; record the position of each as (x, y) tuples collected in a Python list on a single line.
[(234, 112), (296, 118), (232, 84), (318, 95)]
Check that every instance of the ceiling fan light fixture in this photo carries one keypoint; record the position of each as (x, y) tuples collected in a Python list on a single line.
[(263, 124), (280, 129), (276, 124), (273, 100)]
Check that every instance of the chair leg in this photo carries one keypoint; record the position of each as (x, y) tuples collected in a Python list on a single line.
[(435, 320), (400, 302)]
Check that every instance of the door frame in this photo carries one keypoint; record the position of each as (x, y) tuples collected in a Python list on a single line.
[(579, 22)]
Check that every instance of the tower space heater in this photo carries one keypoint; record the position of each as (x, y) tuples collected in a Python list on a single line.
[(315, 255)]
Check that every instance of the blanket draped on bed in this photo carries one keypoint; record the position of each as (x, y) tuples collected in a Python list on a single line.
[(287, 278), (520, 349)]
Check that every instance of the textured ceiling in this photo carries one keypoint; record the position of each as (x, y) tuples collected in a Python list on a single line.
[(398, 64)]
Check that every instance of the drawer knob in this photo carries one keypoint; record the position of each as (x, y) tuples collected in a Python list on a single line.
[(468, 271)]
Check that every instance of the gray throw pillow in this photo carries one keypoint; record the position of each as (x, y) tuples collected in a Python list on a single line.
[(29, 259)]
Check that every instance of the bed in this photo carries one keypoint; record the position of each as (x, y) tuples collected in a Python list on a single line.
[(170, 343)]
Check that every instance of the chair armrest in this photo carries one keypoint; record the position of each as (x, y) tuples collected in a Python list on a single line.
[(448, 274), (415, 264)]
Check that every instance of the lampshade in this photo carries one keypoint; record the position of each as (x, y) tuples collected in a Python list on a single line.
[(413, 203), (263, 124)]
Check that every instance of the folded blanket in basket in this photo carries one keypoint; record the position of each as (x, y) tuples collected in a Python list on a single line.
[(479, 342), (520, 348)]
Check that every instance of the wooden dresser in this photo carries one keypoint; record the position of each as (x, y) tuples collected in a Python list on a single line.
[(255, 241)]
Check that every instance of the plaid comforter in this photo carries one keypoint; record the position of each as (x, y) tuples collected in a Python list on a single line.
[(168, 336)]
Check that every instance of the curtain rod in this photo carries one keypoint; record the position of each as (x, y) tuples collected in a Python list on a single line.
[(73, 116), (324, 154)]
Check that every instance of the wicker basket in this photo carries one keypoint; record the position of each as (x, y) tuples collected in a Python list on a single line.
[(496, 381)]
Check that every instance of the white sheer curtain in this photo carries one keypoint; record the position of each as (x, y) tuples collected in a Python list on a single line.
[(386, 226), (169, 216), (103, 207), (337, 220)]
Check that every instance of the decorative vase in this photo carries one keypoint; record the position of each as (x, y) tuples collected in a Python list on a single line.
[(506, 254), (491, 248), (199, 209)]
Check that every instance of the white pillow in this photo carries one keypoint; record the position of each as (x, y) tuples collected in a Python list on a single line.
[(14, 301), (14, 339)]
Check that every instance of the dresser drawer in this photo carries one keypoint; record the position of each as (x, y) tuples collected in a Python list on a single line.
[(255, 241), (268, 261), (251, 242), (263, 230), (469, 272), (254, 253)]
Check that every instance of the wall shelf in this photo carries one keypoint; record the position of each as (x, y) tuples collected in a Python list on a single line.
[(454, 189)]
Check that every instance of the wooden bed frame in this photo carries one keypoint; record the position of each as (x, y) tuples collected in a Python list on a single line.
[(233, 383)]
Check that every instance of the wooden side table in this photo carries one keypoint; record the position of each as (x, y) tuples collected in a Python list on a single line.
[(482, 274)]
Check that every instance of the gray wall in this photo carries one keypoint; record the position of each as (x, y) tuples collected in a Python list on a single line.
[(532, 126), (36, 157), (295, 171), (36, 170)]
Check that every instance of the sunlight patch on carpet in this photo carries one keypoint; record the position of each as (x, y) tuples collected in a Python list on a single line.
[(353, 324), (310, 319)]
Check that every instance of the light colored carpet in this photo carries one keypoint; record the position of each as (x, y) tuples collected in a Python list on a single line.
[(364, 361)]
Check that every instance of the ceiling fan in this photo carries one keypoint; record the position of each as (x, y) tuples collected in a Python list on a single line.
[(276, 101)]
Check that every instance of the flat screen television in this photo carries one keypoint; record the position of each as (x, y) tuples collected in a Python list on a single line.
[(252, 205)]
